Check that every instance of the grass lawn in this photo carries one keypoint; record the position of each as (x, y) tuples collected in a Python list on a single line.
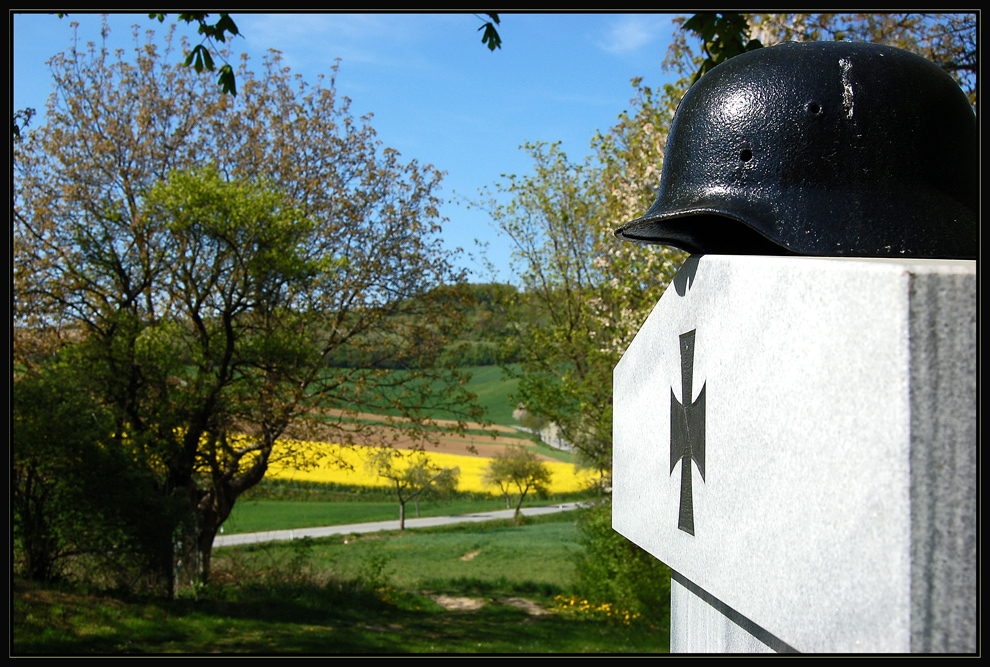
[(252, 516), (278, 504), (473, 588), (537, 557), (295, 620)]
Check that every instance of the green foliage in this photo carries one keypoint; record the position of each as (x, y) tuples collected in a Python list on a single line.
[(473, 353), (482, 341), (611, 569), (374, 572), (585, 295), (275, 489), (723, 35), (517, 471), (200, 57), (80, 498), (491, 37)]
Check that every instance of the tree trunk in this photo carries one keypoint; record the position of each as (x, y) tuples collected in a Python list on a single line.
[(214, 508), (205, 544), (515, 518), (402, 515), (161, 570)]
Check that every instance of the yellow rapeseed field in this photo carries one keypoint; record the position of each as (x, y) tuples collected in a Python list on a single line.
[(565, 477)]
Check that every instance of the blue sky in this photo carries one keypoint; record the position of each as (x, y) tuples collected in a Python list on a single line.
[(438, 95)]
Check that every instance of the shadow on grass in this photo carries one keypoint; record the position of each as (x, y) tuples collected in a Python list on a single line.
[(486, 588), (297, 619)]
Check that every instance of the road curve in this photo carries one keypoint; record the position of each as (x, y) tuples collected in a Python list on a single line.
[(297, 533)]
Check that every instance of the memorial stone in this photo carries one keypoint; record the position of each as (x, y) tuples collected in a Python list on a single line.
[(796, 438)]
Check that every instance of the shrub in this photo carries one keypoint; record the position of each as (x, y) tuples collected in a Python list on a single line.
[(613, 570), (79, 494)]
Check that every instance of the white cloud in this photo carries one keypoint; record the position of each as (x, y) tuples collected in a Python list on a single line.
[(307, 38), (631, 32)]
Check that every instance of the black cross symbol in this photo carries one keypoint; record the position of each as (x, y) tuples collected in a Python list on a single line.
[(687, 431)]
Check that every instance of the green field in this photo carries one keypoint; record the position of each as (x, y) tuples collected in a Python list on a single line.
[(470, 588), (493, 392), (487, 382), (284, 505), (533, 557), (251, 516)]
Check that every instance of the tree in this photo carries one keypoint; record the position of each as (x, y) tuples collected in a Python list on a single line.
[(723, 36), (74, 496), (211, 253), (584, 294), (20, 121), (413, 477), (517, 471)]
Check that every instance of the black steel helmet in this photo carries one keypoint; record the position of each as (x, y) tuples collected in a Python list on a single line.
[(820, 148)]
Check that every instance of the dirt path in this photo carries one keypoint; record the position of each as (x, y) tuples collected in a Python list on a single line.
[(457, 603)]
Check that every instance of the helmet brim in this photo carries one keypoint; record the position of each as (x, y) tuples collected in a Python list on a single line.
[(720, 233)]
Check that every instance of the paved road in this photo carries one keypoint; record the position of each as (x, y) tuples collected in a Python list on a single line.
[(276, 535)]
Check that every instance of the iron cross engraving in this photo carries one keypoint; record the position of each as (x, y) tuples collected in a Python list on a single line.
[(687, 431)]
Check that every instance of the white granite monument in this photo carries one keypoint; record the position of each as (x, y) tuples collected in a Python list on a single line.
[(797, 439)]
